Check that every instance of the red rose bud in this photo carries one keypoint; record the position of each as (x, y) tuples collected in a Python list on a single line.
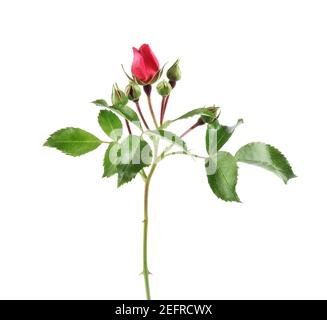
[(118, 96), (133, 91), (164, 88), (145, 67), (174, 73)]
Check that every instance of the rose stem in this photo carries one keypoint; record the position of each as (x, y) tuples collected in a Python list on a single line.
[(173, 84), (165, 107), (145, 233), (147, 89), (141, 114), (146, 211), (128, 127), (162, 108), (198, 123)]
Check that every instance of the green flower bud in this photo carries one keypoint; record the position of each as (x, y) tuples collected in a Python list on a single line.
[(174, 72), (118, 96), (133, 91), (164, 88), (215, 111)]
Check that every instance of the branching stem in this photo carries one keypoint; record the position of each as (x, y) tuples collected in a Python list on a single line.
[(147, 180), (185, 153)]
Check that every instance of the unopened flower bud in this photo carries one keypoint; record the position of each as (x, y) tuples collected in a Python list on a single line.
[(215, 111), (164, 88), (145, 67), (118, 97), (133, 91), (174, 72)]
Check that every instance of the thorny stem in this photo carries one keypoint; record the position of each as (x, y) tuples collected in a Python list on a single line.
[(147, 180), (146, 218), (145, 232)]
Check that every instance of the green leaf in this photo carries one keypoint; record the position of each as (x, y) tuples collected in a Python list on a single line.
[(123, 110), (267, 157), (73, 141), (110, 124), (135, 154), (221, 171), (217, 135), (169, 136), (127, 113), (101, 103), (195, 112), (199, 111), (110, 160)]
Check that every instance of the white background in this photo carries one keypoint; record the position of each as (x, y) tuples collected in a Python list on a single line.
[(65, 233)]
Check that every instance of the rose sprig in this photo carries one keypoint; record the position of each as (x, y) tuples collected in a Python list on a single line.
[(129, 156)]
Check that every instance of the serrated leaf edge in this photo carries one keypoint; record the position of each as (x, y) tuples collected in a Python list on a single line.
[(45, 144), (234, 189), (267, 164)]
